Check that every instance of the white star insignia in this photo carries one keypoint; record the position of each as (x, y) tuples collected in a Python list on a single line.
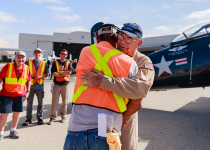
[(164, 66)]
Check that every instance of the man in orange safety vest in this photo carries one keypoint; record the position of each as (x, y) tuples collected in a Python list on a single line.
[(16, 79), (39, 70)]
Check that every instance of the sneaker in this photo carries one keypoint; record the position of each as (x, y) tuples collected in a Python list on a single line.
[(14, 134), (51, 121), (1, 138), (63, 120), (40, 122), (27, 122)]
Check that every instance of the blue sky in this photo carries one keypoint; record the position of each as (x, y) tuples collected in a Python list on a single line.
[(160, 17)]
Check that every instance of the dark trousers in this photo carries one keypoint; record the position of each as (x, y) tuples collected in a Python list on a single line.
[(40, 107)]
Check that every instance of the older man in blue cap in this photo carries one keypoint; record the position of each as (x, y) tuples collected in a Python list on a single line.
[(129, 39)]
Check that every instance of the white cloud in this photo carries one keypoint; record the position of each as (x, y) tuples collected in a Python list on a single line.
[(70, 29), (5, 17), (150, 35), (166, 30), (55, 8), (105, 19), (67, 18), (6, 28), (2, 28), (162, 29), (124, 16), (48, 1), (159, 31), (13, 41), (199, 15), (165, 6)]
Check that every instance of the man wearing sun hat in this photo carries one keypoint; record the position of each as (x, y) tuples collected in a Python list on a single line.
[(129, 39), (16, 79)]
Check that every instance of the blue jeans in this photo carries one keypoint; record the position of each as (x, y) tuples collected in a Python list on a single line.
[(85, 140)]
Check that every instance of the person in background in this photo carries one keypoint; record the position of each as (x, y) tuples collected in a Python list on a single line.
[(61, 70), (39, 70), (74, 65), (16, 79), (49, 63)]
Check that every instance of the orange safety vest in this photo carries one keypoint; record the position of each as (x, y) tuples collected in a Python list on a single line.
[(40, 71), (113, 63), (59, 69), (12, 84)]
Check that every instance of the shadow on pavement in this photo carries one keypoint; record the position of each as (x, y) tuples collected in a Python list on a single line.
[(187, 128), (46, 115)]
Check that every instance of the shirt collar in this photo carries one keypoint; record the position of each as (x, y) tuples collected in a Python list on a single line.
[(16, 69)]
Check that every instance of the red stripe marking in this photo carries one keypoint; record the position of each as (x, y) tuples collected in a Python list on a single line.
[(125, 122), (181, 61)]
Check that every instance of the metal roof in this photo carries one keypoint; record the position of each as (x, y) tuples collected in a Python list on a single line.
[(156, 43)]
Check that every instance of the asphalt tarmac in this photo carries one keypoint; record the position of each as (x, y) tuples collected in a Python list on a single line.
[(169, 120)]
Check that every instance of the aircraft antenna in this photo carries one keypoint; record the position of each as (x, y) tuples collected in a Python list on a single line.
[(191, 67)]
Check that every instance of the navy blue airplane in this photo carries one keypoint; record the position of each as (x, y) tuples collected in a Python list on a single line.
[(185, 63)]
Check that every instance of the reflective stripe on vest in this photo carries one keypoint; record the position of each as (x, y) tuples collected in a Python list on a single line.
[(21, 81), (102, 65), (59, 69), (57, 66), (12, 84), (33, 81)]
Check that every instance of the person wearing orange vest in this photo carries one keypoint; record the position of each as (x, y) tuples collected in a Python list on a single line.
[(39, 70), (89, 102), (61, 70), (16, 79), (129, 39)]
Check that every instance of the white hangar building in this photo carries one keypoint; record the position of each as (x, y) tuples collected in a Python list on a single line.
[(75, 41), (3, 44)]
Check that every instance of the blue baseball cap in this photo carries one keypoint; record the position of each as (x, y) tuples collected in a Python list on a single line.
[(132, 30), (113, 29)]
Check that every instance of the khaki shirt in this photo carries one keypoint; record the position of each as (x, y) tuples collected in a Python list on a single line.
[(135, 88)]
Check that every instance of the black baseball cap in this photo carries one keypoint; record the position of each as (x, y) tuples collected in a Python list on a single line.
[(132, 30), (113, 29)]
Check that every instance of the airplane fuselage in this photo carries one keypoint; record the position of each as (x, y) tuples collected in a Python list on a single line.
[(183, 66)]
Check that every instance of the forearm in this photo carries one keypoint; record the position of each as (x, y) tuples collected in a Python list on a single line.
[(56, 74), (28, 85), (65, 73), (132, 107), (44, 75), (125, 87)]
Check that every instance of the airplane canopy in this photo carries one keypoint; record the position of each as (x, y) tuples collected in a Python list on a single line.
[(195, 31)]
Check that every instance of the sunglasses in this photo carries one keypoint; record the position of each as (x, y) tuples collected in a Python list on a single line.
[(63, 54)]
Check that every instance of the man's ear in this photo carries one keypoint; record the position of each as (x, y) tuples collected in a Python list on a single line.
[(140, 42), (97, 38)]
